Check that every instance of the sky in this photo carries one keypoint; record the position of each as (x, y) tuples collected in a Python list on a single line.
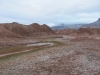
[(50, 12)]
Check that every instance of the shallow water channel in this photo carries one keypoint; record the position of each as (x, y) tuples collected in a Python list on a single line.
[(40, 44)]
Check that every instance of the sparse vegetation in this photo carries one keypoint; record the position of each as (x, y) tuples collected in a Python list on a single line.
[(15, 49)]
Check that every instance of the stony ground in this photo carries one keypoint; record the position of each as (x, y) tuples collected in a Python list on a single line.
[(76, 57)]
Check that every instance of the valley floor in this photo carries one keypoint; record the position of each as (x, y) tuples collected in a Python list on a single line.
[(78, 56)]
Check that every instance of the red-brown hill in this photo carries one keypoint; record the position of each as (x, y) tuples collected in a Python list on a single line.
[(18, 30), (80, 31)]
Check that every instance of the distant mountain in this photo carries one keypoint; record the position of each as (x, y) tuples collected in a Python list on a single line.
[(66, 26), (95, 24), (19, 30), (59, 27)]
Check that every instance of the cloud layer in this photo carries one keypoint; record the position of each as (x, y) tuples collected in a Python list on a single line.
[(50, 12)]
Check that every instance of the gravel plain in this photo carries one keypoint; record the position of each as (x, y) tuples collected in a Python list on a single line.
[(75, 57)]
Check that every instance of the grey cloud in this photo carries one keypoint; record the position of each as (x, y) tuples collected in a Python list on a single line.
[(49, 11)]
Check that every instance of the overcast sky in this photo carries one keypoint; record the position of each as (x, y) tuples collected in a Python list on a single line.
[(50, 12)]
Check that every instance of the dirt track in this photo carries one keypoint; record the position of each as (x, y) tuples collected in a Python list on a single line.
[(73, 58)]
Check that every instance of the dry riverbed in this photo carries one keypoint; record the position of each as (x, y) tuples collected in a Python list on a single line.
[(75, 57)]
